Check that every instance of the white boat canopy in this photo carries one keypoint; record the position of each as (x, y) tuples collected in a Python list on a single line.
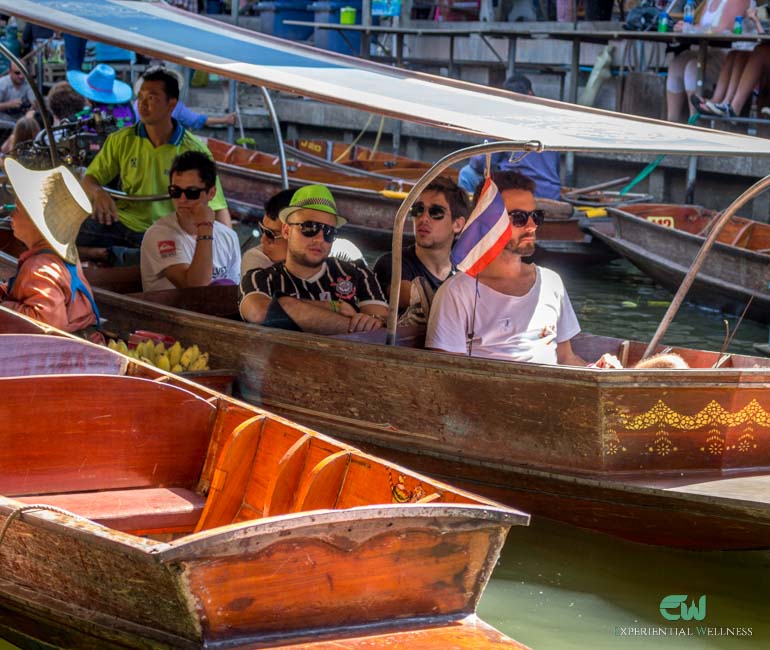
[(155, 29)]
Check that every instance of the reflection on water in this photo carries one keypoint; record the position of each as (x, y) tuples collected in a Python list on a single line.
[(618, 300), (561, 587)]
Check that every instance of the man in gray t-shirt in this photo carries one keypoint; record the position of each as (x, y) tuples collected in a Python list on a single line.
[(16, 97)]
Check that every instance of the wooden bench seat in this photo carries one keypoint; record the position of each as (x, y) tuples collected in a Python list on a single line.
[(139, 512)]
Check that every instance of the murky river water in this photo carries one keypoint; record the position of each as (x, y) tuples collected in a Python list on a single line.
[(558, 587)]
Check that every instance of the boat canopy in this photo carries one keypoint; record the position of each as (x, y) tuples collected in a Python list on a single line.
[(156, 29)]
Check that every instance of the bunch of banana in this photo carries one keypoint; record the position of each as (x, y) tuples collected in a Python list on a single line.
[(174, 358)]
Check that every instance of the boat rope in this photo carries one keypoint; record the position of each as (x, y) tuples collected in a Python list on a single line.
[(356, 139), (377, 139), (17, 512)]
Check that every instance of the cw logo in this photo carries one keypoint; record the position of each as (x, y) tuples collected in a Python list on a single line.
[(678, 602)]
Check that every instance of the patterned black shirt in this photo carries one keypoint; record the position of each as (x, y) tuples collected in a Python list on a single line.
[(337, 280)]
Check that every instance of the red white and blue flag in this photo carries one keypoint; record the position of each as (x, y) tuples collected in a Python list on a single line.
[(485, 234)]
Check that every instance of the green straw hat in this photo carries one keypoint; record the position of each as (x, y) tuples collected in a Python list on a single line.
[(312, 197)]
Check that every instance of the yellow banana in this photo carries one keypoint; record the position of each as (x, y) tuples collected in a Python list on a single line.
[(159, 348), (189, 356), (175, 353), (177, 368), (163, 362), (121, 346)]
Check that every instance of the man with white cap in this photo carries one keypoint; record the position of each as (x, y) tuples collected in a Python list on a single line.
[(49, 284), (311, 291)]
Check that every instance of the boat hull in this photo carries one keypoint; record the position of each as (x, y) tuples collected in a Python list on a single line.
[(620, 433)]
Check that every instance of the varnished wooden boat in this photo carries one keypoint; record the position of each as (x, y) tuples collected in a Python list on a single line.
[(662, 240), (673, 457), (250, 178), (360, 159), (140, 510)]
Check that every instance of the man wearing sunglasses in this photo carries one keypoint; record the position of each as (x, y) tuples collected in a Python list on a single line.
[(16, 97), (141, 156), (310, 291), (512, 310), (438, 216), (189, 248)]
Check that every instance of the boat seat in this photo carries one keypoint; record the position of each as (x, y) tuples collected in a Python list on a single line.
[(139, 512)]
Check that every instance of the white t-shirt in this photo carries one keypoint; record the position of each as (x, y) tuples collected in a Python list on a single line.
[(166, 244), (255, 258), (511, 328)]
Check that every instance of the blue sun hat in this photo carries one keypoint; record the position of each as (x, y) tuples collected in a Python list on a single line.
[(100, 85)]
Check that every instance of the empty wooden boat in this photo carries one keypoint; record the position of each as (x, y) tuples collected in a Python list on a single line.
[(663, 239), (142, 511)]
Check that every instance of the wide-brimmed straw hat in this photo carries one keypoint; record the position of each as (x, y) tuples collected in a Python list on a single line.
[(55, 202), (100, 85), (312, 197)]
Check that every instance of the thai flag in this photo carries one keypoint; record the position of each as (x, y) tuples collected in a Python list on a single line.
[(487, 232)]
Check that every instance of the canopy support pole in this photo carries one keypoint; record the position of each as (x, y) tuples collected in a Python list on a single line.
[(721, 222), (278, 137)]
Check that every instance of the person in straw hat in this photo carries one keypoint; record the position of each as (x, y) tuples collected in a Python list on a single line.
[(312, 291), (49, 284)]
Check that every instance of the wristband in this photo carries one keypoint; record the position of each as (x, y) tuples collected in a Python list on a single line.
[(209, 224), (335, 306), (204, 238)]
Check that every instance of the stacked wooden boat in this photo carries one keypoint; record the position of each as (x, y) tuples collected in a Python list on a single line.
[(141, 510), (663, 239)]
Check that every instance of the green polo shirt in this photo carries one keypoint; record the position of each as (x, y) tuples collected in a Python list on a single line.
[(143, 170)]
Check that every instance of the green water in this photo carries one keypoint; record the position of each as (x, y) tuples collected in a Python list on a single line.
[(560, 587)]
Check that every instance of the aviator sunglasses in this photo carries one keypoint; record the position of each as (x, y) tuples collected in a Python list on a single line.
[(191, 193), (312, 228), (519, 218), (269, 234), (435, 212)]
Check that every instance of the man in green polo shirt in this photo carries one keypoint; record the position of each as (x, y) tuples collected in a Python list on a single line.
[(141, 156)]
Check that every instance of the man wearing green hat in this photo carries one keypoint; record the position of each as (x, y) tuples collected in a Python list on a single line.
[(310, 291)]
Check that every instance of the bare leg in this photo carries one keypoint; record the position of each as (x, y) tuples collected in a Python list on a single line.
[(726, 75), (674, 103), (751, 74), (739, 65)]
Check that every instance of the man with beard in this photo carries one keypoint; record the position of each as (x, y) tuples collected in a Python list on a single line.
[(512, 310), (310, 291), (438, 215)]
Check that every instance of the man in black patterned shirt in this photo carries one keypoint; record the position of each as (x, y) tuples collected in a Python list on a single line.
[(311, 292)]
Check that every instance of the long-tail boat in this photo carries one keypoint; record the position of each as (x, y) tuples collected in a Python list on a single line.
[(250, 178), (672, 457), (663, 239), (141, 510)]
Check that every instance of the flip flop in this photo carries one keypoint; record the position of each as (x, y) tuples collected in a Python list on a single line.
[(699, 103)]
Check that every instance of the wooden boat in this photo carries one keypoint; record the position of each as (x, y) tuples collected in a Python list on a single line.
[(250, 178), (673, 457), (358, 159), (141, 510), (662, 240)]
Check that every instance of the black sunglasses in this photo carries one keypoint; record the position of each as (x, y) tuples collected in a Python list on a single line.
[(312, 228), (270, 234), (192, 193), (519, 218), (435, 212)]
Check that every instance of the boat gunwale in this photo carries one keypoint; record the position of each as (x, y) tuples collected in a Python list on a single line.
[(473, 365), (682, 234)]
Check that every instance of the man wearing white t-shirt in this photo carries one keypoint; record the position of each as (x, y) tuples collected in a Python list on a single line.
[(189, 248), (516, 311)]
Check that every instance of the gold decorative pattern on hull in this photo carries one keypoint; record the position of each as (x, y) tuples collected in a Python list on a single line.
[(712, 414)]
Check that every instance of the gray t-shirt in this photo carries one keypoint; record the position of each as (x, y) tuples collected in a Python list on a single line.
[(8, 92)]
